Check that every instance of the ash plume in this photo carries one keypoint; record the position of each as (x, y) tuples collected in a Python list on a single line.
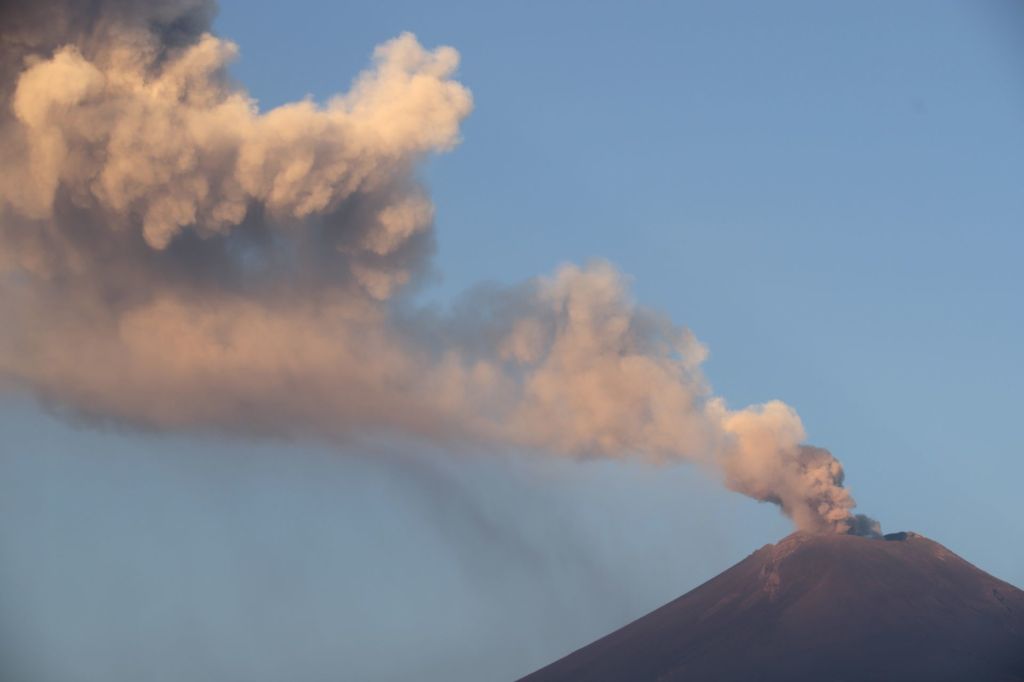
[(174, 258)]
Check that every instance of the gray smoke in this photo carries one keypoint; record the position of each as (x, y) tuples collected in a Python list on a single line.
[(177, 259)]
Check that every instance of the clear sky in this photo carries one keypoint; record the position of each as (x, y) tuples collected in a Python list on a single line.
[(827, 194)]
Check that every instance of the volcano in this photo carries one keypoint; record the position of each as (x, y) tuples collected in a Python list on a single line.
[(823, 607)]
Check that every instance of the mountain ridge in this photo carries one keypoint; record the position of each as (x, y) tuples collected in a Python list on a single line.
[(822, 607)]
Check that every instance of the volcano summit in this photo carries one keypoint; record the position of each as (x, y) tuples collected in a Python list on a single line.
[(822, 607)]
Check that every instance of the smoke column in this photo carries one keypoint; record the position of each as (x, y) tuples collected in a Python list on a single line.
[(174, 258)]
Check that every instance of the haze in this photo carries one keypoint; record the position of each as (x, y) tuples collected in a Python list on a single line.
[(825, 196)]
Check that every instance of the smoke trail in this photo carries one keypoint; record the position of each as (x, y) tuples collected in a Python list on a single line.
[(175, 258)]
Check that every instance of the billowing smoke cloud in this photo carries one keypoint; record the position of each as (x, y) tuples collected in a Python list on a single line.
[(174, 258)]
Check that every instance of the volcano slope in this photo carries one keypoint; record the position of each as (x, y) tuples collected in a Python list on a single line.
[(823, 607)]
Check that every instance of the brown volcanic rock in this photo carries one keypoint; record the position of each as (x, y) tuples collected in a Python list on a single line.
[(822, 607)]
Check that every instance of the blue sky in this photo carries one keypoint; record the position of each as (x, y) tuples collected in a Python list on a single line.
[(826, 194)]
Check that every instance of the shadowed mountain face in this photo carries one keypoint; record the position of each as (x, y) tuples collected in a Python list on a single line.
[(823, 607)]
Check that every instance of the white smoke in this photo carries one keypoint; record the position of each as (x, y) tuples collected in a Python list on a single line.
[(174, 258)]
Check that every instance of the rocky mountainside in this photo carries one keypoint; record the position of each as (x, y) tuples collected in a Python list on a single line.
[(823, 607)]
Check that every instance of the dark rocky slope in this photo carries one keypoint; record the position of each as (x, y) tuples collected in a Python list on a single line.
[(823, 607)]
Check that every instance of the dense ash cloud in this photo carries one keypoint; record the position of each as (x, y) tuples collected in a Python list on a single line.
[(175, 258)]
